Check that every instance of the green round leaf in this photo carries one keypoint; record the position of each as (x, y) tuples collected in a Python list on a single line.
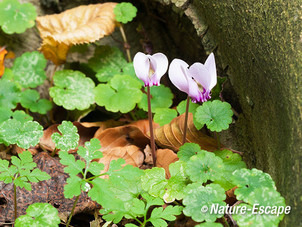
[(204, 166), (164, 115), (30, 99), (9, 94), (28, 69), (181, 109), (21, 116), (24, 134), (209, 224), (124, 12), (5, 114), (154, 181), (39, 214), (198, 201), (161, 97), (72, 90), (232, 162), (122, 93), (16, 17), (69, 138), (216, 115), (188, 150), (248, 180)]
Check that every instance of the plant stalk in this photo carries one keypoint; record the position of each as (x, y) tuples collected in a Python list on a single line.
[(15, 201), (151, 127), (72, 211), (218, 140), (126, 44), (186, 121)]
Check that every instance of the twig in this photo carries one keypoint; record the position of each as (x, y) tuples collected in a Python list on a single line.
[(126, 44)]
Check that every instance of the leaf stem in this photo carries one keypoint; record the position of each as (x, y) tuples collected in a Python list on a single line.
[(15, 201), (132, 115), (126, 44), (54, 152), (72, 211), (186, 121), (151, 127)]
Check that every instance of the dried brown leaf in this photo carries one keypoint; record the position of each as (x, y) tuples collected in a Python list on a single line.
[(83, 24), (164, 157), (170, 135)]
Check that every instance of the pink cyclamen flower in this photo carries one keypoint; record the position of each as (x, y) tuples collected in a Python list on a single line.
[(197, 80), (150, 68)]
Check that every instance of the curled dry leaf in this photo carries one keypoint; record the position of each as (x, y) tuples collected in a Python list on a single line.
[(3, 52), (143, 125), (170, 135), (83, 24), (164, 157), (50, 191)]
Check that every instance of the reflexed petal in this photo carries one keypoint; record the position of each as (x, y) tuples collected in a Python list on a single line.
[(211, 66), (178, 74), (141, 66), (161, 65), (201, 74)]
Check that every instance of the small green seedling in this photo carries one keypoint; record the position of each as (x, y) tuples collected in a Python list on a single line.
[(21, 172)]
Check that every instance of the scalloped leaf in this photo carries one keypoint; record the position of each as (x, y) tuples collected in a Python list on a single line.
[(30, 99), (232, 162), (72, 90), (248, 180), (69, 138), (181, 109), (122, 94), (39, 214), (24, 134), (209, 224), (16, 17), (216, 115), (28, 69), (164, 116), (83, 24), (205, 166), (161, 97), (154, 181), (9, 94), (197, 197), (124, 12), (188, 150)]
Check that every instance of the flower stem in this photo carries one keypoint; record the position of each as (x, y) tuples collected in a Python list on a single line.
[(126, 44), (151, 127), (186, 121), (218, 140), (71, 214), (15, 201)]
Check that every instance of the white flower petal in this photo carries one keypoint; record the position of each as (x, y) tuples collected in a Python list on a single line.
[(141, 66), (211, 66), (161, 65), (201, 74), (178, 71)]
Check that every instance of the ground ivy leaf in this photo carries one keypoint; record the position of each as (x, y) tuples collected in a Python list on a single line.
[(128, 69), (39, 214), (30, 99), (9, 94), (154, 181), (176, 183), (122, 93), (72, 90), (125, 183), (188, 150), (124, 12), (73, 167), (21, 116), (105, 56), (161, 97), (181, 109), (216, 115), (69, 138), (249, 180), (197, 196), (164, 115), (5, 114), (73, 187), (232, 162), (16, 17), (91, 150), (204, 166), (28, 69), (24, 134)]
